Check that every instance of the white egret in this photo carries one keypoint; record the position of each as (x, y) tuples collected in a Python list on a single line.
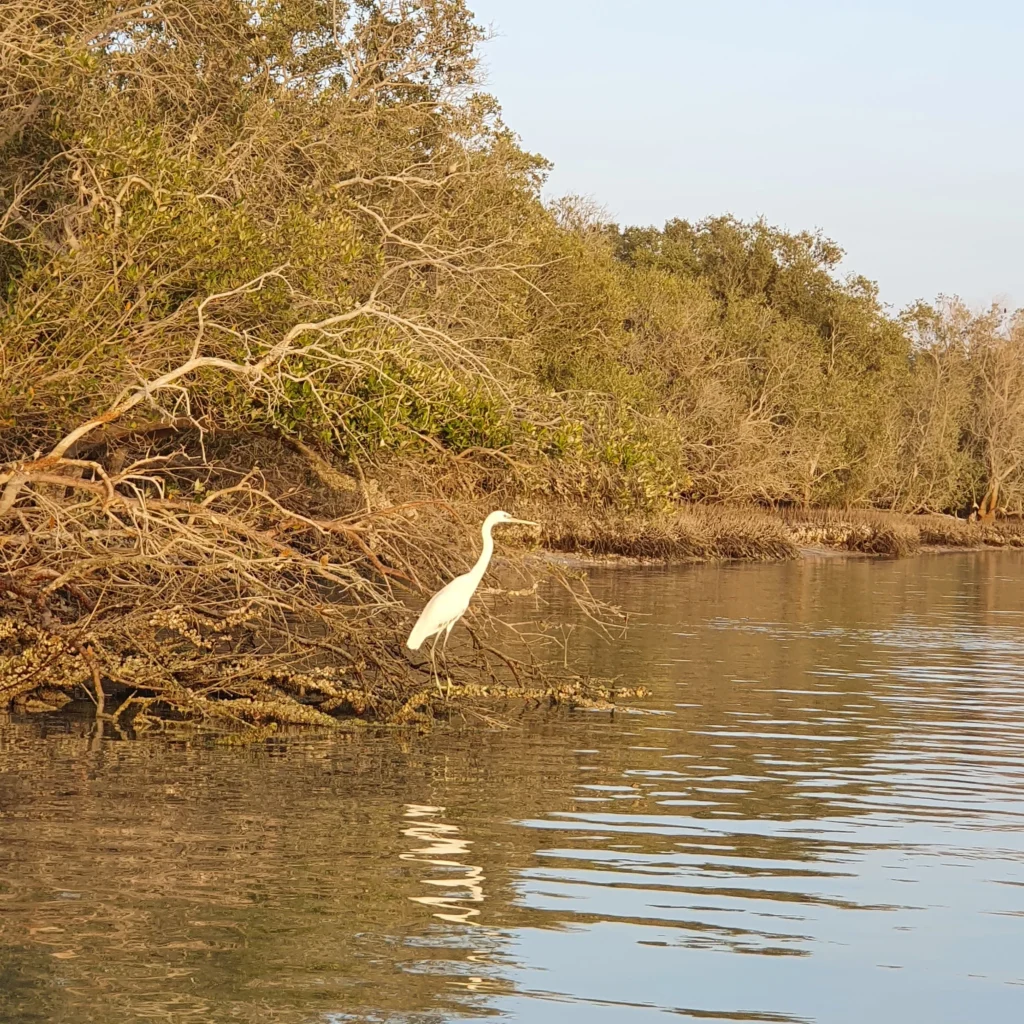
[(449, 604)]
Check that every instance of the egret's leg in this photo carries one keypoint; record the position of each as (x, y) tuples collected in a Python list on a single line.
[(444, 655), (433, 662)]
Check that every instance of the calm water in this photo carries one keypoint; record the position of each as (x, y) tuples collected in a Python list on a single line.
[(818, 816)]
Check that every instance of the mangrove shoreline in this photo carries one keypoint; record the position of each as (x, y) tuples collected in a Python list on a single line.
[(284, 312)]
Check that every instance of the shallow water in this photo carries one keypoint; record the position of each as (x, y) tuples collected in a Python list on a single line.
[(818, 816)]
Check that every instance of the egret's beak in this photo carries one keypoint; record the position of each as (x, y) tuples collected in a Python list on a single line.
[(523, 522)]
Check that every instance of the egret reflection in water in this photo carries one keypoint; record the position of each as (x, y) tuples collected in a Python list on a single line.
[(443, 844)]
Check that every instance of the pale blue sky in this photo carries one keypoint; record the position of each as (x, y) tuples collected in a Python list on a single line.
[(896, 127)]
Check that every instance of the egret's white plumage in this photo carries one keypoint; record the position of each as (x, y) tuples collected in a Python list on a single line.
[(449, 604)]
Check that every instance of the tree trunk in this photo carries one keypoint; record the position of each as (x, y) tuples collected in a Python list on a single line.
[(987, 508)]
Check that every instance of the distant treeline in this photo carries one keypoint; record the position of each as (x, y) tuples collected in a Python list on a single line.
[(305, 219)]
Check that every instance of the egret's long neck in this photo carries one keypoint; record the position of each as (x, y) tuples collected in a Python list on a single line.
[(478, 570)]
